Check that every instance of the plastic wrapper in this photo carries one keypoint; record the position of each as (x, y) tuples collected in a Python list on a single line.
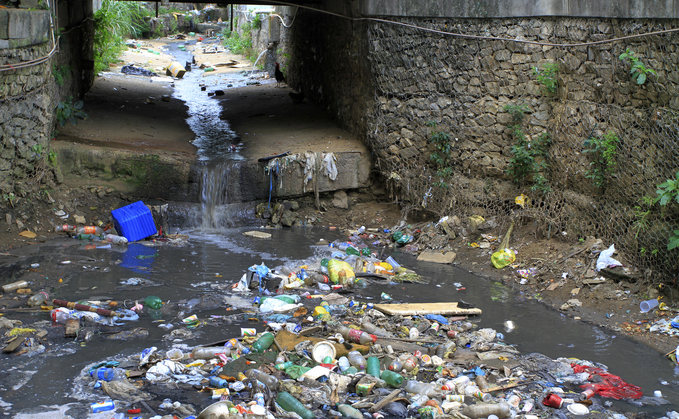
[(335, 267), (503, 258)]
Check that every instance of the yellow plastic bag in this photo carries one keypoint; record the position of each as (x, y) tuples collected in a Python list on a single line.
[(502, 258), (335, 267)]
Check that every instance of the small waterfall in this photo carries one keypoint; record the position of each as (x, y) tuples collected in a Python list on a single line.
[(220, 183)]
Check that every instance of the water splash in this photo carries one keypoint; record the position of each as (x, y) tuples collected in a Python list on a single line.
[(220, 183)]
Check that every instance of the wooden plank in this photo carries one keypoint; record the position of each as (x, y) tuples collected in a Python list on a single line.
[(425, 308)]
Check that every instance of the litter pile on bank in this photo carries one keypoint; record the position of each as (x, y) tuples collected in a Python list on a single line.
[(323, 351)]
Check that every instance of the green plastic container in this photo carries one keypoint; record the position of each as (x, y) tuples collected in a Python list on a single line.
[(392, 378), (373, 367), (289, 403), (263, 343)]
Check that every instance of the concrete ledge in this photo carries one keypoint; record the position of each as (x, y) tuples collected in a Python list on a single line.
[(622, 9), (32, 26)]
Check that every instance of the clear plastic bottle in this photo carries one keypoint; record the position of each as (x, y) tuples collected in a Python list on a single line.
[(396, 365), (115, 239), (38, 299), (374, 330), (357, 360), (416, 387), (94, 230), (349, 411), (64, 227), (409, 362), (209, 352), (343, 363), (483, 410), (418, 401), (235, 345), (268, 380), (356, 336), (61, 315), (291, 404), (109, 374)]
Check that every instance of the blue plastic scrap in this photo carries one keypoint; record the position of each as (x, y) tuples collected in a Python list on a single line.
[(436, 317), (260, 270)]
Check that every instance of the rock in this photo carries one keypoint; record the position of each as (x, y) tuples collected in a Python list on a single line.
[(288, 218), (8, 218), (436, 257), (257, 234), (340, 200)]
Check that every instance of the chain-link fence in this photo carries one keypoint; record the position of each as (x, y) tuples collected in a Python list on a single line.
[(612, 141)]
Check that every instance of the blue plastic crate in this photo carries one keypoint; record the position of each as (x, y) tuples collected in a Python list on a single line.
[(134, 221)]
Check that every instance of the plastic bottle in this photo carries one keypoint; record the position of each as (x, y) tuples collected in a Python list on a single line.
[(38, 299), (263, 343), (218, 382), (97, 231), (409, 363), (343, 363), (64, 227), (268, 380), (392, 378), (417, 387), (481, 382), (236, 346), (115, 239), (356, 359), (356, 336), (351, 250), (109, 374), (396, 365), (483, 410), (209, 352), (61, 315), (374, 330), (291, 404), (418, 401), (373, 366), (349, 411), (14, 286)]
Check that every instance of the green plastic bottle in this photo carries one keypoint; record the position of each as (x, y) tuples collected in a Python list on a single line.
[(351, 250), (373, 366), (153, 302), (291, 404), (263, 343), (392, 378)]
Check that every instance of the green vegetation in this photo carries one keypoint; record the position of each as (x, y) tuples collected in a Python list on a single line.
[(642, 213), (668, 194), (441, 157), (257, 22), (61, 73), (638, 70), (240, 44), (603, 152), (529, 157), (10, 199), (69, 111), (547, 76), (113, 24)]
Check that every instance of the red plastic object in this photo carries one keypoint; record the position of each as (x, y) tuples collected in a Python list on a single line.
[(608, 385)]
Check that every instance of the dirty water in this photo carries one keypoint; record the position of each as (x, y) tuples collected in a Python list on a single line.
[(211, 261), (49, 384)]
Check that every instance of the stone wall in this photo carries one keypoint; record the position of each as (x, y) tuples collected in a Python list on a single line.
[(30, 91), (429, 82)]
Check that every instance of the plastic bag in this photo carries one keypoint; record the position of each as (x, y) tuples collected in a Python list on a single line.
[(605, 260), (502, 258), (335, 267)]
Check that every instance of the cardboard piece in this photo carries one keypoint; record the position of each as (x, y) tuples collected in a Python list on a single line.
[(426, 308)]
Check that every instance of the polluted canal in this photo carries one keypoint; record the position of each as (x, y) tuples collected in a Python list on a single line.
[(346, 340)]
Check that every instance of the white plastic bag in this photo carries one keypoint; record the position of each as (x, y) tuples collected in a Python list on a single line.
[(605, 260)]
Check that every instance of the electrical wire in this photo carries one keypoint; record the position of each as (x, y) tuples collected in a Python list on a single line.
[(487, 38), (283, 21), (37, 61)]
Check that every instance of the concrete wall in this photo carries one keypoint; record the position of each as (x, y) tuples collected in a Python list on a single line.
[(29, 92), (660, 9)]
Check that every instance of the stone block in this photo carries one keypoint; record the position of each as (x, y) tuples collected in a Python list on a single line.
[(436, 257)]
